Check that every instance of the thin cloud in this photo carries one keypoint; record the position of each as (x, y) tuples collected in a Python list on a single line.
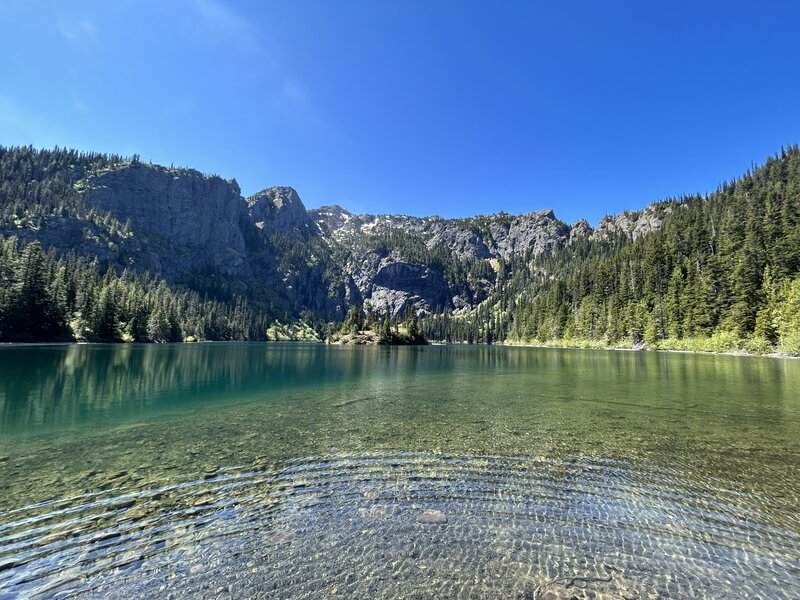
[(291, 100), (77, 30), (79, 105), (292, 92), (226, 24), (220, 23)]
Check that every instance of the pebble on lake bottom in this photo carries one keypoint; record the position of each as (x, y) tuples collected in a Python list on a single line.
[(432, 517)]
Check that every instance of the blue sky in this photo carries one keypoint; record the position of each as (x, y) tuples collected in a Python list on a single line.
[(432, 107)]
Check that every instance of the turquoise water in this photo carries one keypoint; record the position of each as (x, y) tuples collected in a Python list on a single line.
[(290, 470)]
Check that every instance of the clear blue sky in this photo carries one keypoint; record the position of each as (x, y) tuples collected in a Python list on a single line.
[(452, 108)]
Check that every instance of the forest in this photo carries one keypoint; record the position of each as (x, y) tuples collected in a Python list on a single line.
[(48, 298), (364, 325), (720, 273)]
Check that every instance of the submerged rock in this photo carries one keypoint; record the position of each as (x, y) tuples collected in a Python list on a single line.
[(280, 536), (432, 517), (558, 595), (372, 494), (373, 511)]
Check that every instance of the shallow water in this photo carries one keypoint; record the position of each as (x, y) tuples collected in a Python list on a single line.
[(296, 471)]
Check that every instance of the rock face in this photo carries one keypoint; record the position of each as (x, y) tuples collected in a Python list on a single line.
[(82, 236), (650, 219), (391, 278), (486, 236), (632, 224), (463, 242), (183, 223), (331, 219), (579, 231), (198, 230), (532, 234), (396, 284), (279, 209)]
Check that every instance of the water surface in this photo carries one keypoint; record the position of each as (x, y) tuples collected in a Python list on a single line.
[(296, 471)]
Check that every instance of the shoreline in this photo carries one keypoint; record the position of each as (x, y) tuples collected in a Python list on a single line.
[(6, 344), (739, 353)]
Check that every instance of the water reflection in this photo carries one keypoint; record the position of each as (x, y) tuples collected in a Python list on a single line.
[(55, 386)]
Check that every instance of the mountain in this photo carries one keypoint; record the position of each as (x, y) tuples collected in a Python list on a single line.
[(634, 279), (433, 263), (198, 231)]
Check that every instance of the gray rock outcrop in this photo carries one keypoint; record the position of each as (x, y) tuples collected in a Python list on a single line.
[(580, 230), (632, 224), (183, 223), (279, 209), (391, 284), (532, 234), (198, 230)]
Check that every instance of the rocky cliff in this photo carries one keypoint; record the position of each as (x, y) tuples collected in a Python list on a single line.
[(486, 236), (397, 260), (181, 223), (198, 230), (280, 210)]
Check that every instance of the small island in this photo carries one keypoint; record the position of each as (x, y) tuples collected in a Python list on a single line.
[(363, 326)]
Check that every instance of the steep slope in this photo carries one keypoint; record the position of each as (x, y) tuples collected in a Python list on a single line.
[(190, 229), (176, 223), (182, 224), (280, 210), (198, 231), (431, 263), (683, 268), (486, 236), (718, 272)]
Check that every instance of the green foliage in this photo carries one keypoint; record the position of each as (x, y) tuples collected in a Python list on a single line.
[(720, 274), (758, 345), (297, 331), (723, 341), (387, 331), (385, 336), (788, 317), (31, 299), (46, 298), (353, 322), (41, 189), (38, 184)]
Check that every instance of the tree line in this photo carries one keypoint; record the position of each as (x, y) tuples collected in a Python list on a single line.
[(721, 273), (44, 297), (390, 330)]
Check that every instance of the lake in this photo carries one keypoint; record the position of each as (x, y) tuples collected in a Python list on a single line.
[(306, 471)]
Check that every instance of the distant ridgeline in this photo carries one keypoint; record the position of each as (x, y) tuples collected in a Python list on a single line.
[(103, 248)]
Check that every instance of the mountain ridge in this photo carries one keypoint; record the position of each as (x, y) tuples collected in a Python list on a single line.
[(204, 245), (199, 232)]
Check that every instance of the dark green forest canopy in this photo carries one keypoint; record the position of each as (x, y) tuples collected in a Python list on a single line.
[(721, 272), (46, 298)]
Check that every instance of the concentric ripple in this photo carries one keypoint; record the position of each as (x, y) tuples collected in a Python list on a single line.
[(347, 525)]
